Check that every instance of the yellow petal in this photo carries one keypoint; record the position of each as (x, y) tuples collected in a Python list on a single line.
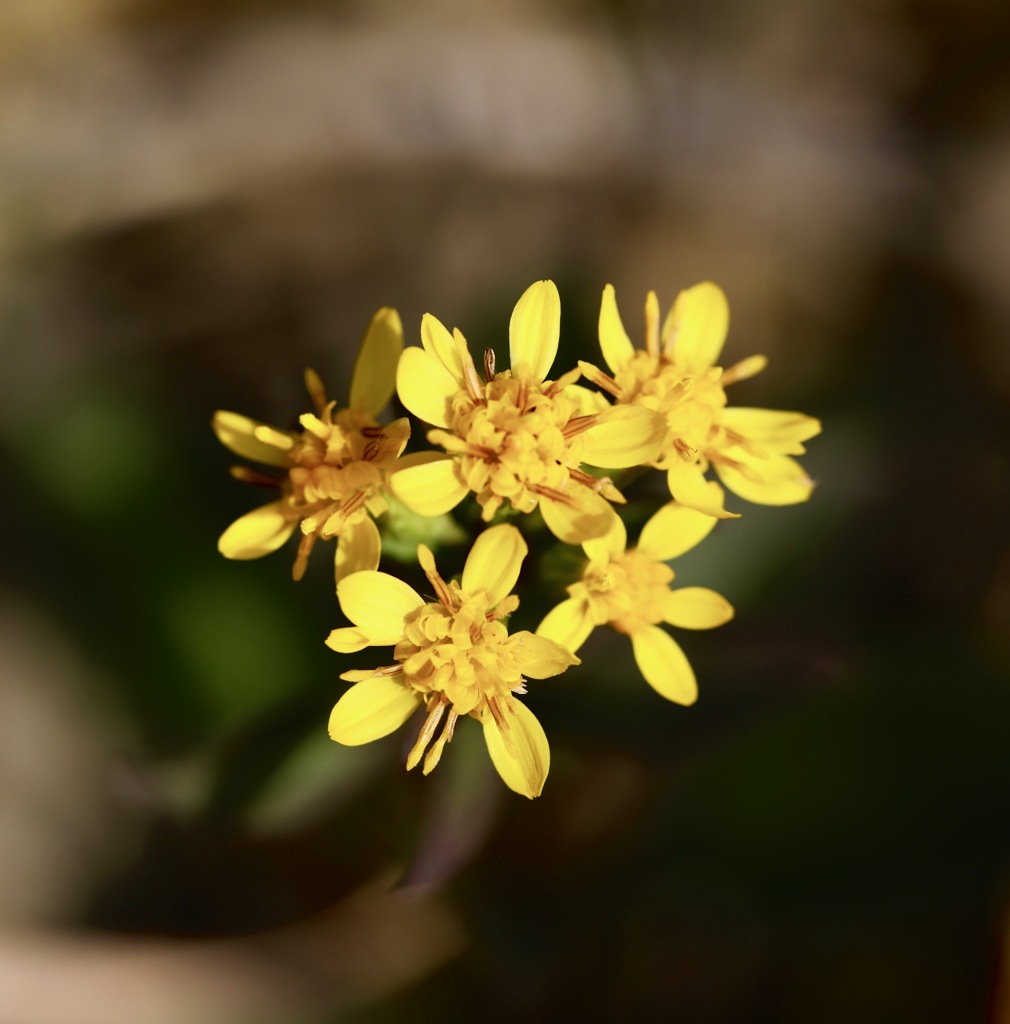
[(540, 657), (494, 562), (257, 533), (623, 436), (569, 623), (586, 401), (535, 328), (581, 517), (610, 545), (696, 327), (689, 488), (374, 376), (371, 709), (664, 665), (614, 340), (524, 763), (238, 433), (437, 340), (781, 433), (425, 386), (359, 547), (779, 480), (426, 482), (347, 640), (675, 529), (377, 604), (696, 608)]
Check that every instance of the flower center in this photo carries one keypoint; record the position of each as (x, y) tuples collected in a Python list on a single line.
[(517, 439), (691, 405), (458, 651), (338, 463), (627, 592)]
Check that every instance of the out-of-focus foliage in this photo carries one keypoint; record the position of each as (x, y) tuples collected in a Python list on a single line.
[(198, 200)]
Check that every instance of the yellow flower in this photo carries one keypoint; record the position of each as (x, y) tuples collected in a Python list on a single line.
[(335, 465), (454, 655), (675, 374), (630, 591), (515, 436)]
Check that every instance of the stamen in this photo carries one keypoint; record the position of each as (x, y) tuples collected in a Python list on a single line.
[(652, 324), (474, 387), (577, 424), (681, 388), (504, 727), (273, 437), (302, 558), (748, 367), (745, 470), (489, 364), (564, 381), (435, 754), (316, 390), (522, 397), (684, 450), (601, 379), (254, 476), (427, 562), (314, 425), (353, 503), (497, 714), (553, 493), (427, 731), (751, 447), (595, 483), (310, 524)]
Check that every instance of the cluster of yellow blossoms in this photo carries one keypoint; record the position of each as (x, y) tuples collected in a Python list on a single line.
[(520, 443)]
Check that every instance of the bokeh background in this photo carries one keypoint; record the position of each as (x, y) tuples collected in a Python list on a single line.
[(199, 199)]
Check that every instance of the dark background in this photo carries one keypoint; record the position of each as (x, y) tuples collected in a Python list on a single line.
[(196, 201)]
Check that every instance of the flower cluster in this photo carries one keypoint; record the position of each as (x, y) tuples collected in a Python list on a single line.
[(532, 450)]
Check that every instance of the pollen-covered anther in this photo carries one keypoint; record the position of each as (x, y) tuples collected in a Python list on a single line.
[(472, 382), (751, 447), (578, 424), (553, 493), (680, 389), (749, 367), (598, 484), (601, 379), (305, 546), (434, 754), (435, 712), (489, 363), (564, 381), (442, 589), (744, 469), (248, 475), (316, 389), (684, 450)]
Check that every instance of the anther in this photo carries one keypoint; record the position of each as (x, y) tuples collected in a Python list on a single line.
[(426, 733), (253, 476)]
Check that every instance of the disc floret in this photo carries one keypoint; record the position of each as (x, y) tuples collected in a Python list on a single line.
[(453, 655), (332, 471)]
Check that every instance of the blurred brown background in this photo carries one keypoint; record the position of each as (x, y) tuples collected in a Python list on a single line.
[(196, 201)]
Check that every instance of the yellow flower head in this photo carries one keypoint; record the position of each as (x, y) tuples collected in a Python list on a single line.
[(630, 591), (454, 655), (675, 374), (514, 435), (336, 464)]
